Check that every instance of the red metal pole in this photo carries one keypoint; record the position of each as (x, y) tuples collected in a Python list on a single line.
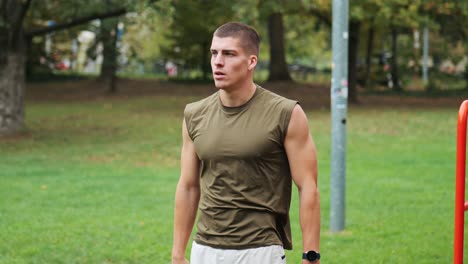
[(460, 206)]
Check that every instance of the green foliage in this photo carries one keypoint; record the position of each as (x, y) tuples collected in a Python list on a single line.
[(450, 18), (3, 23), (156, 31), (191, 31), (308, 44), (145, 31), (40, 12)]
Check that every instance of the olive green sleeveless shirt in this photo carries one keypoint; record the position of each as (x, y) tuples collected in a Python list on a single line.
[(245, 178)]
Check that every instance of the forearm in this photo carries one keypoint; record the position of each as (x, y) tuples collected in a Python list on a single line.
[(186, 205), (310, 218), (302, 157)]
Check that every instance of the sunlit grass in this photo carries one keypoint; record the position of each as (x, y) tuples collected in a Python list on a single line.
[(93, 182)]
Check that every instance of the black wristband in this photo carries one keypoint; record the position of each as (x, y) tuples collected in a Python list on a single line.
[(311, 256)]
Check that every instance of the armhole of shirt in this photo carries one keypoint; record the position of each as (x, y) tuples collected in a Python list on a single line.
[(187, 115), (287, 113)]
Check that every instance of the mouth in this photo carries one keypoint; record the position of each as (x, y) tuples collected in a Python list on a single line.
[(219, 75)]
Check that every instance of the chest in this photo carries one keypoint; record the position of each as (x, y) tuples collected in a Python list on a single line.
[(244, 135)]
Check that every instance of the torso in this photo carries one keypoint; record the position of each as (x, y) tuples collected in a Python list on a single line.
[(245, 178)]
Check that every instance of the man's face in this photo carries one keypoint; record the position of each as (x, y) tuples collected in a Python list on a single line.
[(230, 63)]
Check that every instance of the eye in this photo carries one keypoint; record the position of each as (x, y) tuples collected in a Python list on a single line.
[(214, 52)]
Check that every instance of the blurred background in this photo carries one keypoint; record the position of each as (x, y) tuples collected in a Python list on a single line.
[(92, 94), (171, 39)]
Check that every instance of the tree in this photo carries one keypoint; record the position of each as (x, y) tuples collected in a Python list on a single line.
[(308, 42), (357, 15), (401, 16), (278, 66), (105, 33), (12, 46), (108, 38), (192, 29), (194, 23), (369, 50), (273, 11), (322, 11), (12, 58), (353, 47), (146, 32), (451, 18)]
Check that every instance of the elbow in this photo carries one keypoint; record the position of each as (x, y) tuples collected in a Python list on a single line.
[(309, 193), (309, 186), (189, 187)]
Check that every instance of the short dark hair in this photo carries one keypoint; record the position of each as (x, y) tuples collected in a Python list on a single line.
[(247, 34)]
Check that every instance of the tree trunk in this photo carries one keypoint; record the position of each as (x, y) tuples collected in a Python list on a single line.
[(11, 94), (12, 66), (278, 67), (205, 62), (353, 41), (29, 64), (394, 61), (370, 48), (12, 59), (109, 52)]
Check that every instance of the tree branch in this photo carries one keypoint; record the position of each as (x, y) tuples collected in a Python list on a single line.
[(324, 17), (24, 10), (3, 10), (17, 24), (76, 22)]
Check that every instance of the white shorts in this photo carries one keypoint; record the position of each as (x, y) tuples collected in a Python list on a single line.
[(207, 255)]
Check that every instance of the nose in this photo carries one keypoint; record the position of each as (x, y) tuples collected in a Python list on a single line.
[(218, 60)]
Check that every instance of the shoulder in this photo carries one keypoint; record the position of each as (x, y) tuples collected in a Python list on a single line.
[(275, 100), (279, 109), (298, 126), (195, 112), (201, 105), (298, 115)]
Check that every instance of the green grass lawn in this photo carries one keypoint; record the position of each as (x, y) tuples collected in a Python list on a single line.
[(94, 182)]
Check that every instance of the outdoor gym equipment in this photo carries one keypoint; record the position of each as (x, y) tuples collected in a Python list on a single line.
[(460, 204)]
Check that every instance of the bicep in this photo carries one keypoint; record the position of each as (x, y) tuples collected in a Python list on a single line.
[(300, 149), (189, 161)]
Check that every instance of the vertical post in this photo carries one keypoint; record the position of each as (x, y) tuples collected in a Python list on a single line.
[(425, 55), (339, 98), (460, 185), (48, 39)]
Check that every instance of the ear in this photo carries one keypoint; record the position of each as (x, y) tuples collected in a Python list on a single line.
[(252, 62)]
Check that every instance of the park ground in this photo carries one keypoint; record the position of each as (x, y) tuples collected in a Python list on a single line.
[(311, 96), (92, 179)]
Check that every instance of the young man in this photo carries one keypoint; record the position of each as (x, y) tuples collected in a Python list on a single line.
[(242, 148)]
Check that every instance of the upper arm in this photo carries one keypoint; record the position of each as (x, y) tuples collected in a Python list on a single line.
[(300, 149), (189, 161)]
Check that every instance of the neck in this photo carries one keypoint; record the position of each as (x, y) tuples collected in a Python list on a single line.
[(237, 97)]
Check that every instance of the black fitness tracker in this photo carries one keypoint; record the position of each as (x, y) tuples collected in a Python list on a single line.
[(311, 256)]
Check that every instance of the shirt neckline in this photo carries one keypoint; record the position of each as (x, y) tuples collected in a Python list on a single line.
[(240, 108)]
